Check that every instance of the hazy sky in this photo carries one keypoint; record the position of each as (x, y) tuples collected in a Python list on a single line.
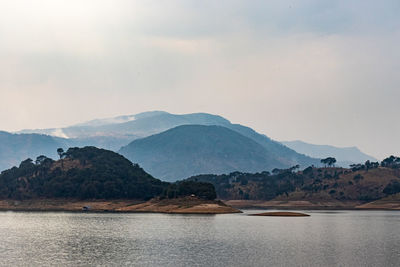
[(326, 72)]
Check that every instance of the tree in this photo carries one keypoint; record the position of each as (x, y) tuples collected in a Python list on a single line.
[(28, 163), (330, 161), (392, 188), (60, 152), (308, 170), (391, 162), (368, 165), (40, 159), (294, 168)]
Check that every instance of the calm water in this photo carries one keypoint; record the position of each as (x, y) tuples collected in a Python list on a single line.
[(346, 238)]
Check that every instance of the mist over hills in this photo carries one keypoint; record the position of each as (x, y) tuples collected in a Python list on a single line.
[(114, 133), (133, 126)]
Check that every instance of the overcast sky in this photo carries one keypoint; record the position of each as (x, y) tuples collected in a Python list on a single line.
[(326, 72)]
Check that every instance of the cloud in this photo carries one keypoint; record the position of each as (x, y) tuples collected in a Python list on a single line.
[(324, 72)]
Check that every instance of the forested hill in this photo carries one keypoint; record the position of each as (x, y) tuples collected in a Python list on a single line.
[(194, 149), (91, 173), (363, 182), (82, 173)]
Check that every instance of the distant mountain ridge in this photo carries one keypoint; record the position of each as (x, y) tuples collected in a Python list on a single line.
[(344, 155), (114, 133), (139, 125), (100, 131)]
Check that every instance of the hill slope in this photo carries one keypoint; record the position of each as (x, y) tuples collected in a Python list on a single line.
[(282, 153), (194, 149), (84, 173), (345, 156), (312, 184)]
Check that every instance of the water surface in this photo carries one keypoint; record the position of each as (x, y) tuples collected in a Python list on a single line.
[(344, 238)]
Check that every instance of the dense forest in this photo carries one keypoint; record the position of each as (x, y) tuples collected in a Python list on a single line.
[(364, 182), (89, 173), (92, 173)]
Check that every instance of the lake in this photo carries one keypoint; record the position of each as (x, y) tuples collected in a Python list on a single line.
[(327, 238)]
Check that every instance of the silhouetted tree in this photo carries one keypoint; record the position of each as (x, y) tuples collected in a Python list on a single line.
[(391, 162), (294, 168), (329, 161), (60, 152), (40, 159), (367, 165)]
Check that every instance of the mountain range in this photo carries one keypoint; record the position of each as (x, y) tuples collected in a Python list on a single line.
[(117, 132)]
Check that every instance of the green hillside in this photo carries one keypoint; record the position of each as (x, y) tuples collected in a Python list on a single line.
[(194, 149), (91, 173)]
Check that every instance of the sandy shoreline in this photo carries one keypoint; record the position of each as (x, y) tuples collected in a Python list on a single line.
[(178, 206), (188, 205)]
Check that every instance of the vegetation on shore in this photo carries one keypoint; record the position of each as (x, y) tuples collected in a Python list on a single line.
[(98, 174), (90, 173), (362, 182)]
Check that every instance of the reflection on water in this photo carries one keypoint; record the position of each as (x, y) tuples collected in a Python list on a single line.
[(346, 238)]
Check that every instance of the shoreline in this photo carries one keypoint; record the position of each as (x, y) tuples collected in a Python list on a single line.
[(188, 205), (314, 205)]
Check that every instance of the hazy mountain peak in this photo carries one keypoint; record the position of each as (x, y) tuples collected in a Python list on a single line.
[(344, 155)]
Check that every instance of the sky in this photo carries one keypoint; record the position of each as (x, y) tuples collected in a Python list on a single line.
[(325, 72)]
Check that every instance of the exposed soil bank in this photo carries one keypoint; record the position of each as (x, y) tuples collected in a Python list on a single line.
[(282, 214), (183, 206), (180, 206)]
